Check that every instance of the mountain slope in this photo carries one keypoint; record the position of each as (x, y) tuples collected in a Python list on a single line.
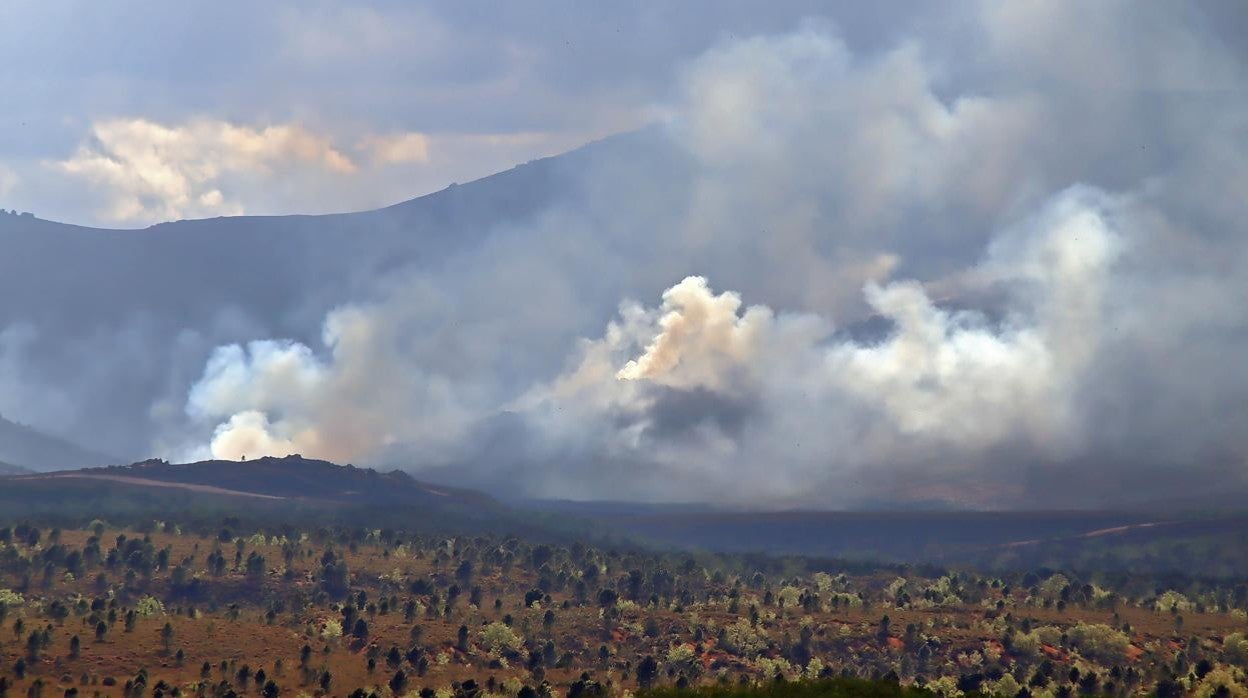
[(97, 276), (7, 469), (267, 492), (27, 448), (295, 477), (110, 317), (289, 478)]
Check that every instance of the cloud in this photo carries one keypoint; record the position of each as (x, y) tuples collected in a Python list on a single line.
[(397, 148), (150, 171)]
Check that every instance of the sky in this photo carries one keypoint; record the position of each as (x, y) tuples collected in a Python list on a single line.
[(984, 254), (131, 113)]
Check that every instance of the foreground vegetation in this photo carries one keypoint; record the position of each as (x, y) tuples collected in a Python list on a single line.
[(838, 687), (157, 610)]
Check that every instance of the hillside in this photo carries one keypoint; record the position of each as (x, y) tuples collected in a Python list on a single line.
[(223, 607), (294, 477), (156, 301), (7, 469), (291, 478), (28, 448), (266, 491), (73, 276), (1201, 542)]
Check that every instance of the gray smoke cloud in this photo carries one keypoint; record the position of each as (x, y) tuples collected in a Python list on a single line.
[(992, 255), (1048, 243)]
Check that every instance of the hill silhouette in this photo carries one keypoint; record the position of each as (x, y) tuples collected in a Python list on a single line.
[(290, 478), (28, 448), (7, 469), (107, 315), (270, 492)]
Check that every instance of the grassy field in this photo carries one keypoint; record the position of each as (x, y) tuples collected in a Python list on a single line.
[(207, 611)]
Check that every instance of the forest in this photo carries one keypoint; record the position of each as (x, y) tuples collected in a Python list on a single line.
[(169, 607)]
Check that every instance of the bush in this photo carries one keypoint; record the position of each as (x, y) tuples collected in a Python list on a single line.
[(499, 638), (149, 606), (827, 688), (1099, 642)]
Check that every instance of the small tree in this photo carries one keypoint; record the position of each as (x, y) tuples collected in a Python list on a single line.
[(360, 630), (398, 682), (255, 567), (647, 670)]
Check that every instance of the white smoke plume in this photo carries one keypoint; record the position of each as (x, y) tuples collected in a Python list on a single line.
[(956, 382), (281, 398), (982, 279)]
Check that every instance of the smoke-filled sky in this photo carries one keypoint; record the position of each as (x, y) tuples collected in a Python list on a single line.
[(985, 254)]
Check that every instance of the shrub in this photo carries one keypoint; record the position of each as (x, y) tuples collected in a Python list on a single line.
[(149, 606), (1099, 642), (498, 638)]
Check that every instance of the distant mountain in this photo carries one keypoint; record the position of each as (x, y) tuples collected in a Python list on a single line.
[(25, 447), (78, 278), (110, 316)]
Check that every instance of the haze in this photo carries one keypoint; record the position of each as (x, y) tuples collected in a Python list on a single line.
[(971, 255)]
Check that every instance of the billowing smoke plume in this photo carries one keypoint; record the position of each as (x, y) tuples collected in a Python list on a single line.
[(997, 257), (761, 404), (281, 398), (1003, 287)]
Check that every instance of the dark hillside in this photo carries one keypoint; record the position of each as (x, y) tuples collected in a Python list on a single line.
[(295, 477), (163, 297), (25, 447), (264, 492), (7, 469)]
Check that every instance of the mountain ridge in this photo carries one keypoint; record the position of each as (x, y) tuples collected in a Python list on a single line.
[(27, 448), (291, 477)]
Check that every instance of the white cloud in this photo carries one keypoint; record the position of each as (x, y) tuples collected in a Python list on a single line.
[(397, 148), (150, 171), (147, 172)]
